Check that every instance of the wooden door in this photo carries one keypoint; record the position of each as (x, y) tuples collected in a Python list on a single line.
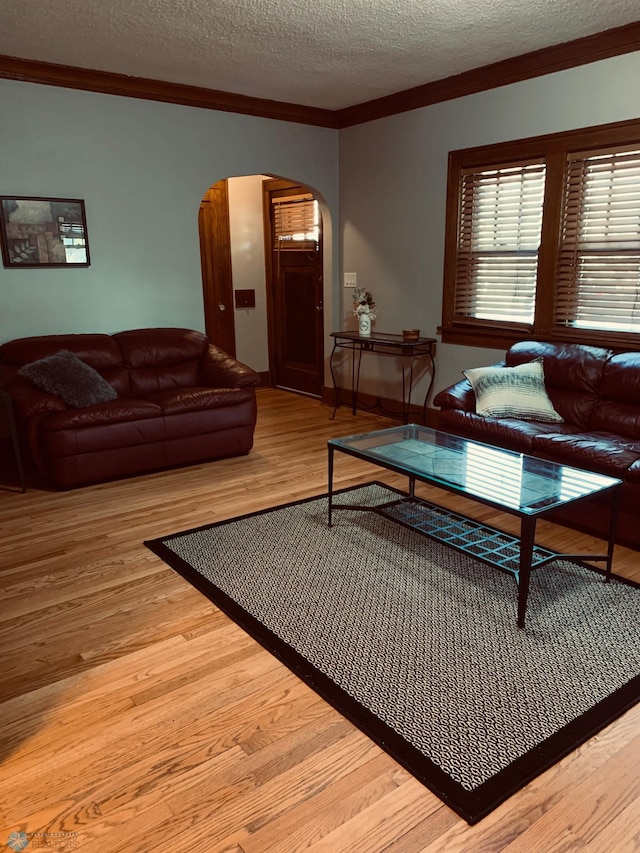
[(294, 299), (215, 254)]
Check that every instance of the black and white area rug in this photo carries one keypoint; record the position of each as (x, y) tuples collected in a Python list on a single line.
[(418, 645)]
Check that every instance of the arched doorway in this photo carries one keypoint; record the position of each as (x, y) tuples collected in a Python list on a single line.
[(263, 287)]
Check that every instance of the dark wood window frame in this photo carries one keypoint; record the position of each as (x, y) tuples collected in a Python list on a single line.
[(554, 150)]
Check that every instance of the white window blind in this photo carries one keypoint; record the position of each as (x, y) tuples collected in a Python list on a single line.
[(296, 223), (498, 241), (598, 280)]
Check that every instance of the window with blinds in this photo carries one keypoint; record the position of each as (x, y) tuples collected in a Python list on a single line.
[(598, 280), (498, 243), (296, 223), (542, 239)]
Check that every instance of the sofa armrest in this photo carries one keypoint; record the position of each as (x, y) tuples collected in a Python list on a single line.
[(29, 401), (220, 370), (458, 396), (461, 395)]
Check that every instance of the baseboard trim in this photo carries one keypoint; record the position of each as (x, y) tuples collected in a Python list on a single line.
[(382, 406)]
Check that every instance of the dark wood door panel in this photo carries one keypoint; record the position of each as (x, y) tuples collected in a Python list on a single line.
[(215, 252), (295, 303), (297, 356)]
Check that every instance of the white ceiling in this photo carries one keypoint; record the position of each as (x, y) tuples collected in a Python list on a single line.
[(320, 53)]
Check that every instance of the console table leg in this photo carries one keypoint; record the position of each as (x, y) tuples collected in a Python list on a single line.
[(405, 408), (355, 381), (527, 536), (336, 393), (429, 388)]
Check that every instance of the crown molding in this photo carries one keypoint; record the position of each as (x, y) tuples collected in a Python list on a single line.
[(108, 83), (560, 57), (548, 60)]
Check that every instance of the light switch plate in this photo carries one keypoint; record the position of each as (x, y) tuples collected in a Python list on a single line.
[(350, 279)]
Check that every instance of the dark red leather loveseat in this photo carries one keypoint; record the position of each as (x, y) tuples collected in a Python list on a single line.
[(597, 393), (177, 400)]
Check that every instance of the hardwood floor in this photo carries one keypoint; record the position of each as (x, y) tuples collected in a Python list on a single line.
[(137, 716)]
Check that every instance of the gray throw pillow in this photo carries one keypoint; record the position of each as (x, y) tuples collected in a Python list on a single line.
[(512, 392), (68, 377)]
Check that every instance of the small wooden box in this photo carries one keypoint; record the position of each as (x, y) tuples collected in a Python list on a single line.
[(411, 335)]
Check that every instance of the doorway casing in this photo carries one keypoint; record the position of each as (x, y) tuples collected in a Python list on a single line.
[(217, 252)]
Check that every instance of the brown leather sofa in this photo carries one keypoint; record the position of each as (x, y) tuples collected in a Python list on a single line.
[(177, 400), (597, 393)]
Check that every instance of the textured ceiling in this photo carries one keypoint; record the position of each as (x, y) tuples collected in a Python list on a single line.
[(330, 54)]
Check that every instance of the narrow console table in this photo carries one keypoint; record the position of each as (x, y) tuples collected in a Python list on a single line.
[(385, 344)]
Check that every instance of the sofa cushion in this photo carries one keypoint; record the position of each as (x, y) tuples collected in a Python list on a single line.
[(605, 453), (512, 392), (97, 350), (573, 375), (203, 424), (618, 409), (196, 399), (153, 348), (111, 412), (512, 433), (147, 381), (65, 375), (161, 359), (115, 438)]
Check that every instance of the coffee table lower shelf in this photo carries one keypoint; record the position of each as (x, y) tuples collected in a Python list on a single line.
[(485, 543)]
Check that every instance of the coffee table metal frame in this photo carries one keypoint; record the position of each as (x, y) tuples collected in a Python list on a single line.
[(516, 555)]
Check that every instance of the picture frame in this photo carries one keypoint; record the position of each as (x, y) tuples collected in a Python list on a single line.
[(43, 232)]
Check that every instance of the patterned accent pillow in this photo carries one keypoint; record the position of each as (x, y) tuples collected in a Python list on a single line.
[(66, 376), (512, 392)]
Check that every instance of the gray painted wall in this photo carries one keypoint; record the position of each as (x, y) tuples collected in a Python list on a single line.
[(248, 268), (142, 169), (393, 176)]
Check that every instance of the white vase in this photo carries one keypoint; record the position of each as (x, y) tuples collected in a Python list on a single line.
[(364, 324)]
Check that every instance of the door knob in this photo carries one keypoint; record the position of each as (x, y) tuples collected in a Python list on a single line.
[(221, 307)]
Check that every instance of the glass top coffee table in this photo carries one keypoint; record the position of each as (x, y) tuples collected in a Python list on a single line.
[(522, 485)]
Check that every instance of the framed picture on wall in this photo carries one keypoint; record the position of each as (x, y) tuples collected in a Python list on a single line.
[(43, 232)]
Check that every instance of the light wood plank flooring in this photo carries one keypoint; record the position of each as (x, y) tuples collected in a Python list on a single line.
[(137, 716)]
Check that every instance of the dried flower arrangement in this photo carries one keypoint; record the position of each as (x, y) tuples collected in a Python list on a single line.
[(363, 303)]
